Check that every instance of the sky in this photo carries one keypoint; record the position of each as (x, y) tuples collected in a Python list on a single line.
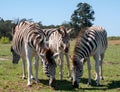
[(56, 12)]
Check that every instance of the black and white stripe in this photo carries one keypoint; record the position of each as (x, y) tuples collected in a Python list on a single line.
[(91, 41), (30, 41), (59, 41)]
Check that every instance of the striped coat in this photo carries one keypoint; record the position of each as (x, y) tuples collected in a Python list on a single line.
[(30, 41), (91, 41), (59, 41)]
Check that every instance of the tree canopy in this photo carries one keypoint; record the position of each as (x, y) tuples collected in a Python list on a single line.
[(82, 17)]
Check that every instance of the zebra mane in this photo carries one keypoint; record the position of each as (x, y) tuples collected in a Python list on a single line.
[(49, 54), (79, 38), (62, 30), (18, 22), (81, 34)]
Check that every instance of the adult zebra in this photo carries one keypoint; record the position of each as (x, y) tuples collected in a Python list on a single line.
[(59, 41), (92, 41), (29, 41)]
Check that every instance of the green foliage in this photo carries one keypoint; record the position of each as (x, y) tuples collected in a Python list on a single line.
[(4, 40), (82, 17), (47, 26), (5, 28), (114, 38)]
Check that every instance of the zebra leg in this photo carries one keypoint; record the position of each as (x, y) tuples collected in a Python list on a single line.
[(97, 78), (89, 71), (101, 71), (29, 61), (24, 67), (68, 65), (61, 65), (29, 71), (36, 68)]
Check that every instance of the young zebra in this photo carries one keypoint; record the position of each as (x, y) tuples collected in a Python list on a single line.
[(29, 41), (91, 41), (59, 41)]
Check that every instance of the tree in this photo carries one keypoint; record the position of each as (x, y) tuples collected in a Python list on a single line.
[(82, 17), (5, 28), (66, 24)]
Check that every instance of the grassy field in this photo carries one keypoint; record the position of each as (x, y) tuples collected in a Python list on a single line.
[(11, 81)]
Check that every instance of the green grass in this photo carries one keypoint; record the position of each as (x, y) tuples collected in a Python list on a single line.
[(11, 81)]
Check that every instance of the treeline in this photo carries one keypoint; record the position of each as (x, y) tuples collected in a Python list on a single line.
[(7, 25), (5, 28), (81, 17), (114, 38)]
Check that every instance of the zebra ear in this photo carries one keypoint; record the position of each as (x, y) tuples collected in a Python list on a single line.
[(68, 31), (60, 31), (55, 55)]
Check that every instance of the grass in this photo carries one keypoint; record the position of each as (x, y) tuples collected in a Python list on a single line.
[(11, 81)]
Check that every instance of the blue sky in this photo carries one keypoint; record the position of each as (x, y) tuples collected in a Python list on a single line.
[(107, 13)]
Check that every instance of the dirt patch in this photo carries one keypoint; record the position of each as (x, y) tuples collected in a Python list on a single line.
[(114, 42), (2, 59), (111, 63)]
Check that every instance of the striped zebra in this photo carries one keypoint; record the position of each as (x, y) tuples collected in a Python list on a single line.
[(30, 41), (92, 41), (59, 41)]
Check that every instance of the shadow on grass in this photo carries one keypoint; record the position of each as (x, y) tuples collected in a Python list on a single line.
[(114, 84), (93, 85), (67, 85), (60, 85)]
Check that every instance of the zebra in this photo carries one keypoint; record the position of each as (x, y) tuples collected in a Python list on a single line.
[(92, 41), (59, 41), (30, 41)]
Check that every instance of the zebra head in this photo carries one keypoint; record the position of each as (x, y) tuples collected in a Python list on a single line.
[(49, 65), (15, 56), (65, 38), (77, 71)]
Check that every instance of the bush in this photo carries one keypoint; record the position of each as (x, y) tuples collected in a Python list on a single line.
[(4, 40), (114, 38)]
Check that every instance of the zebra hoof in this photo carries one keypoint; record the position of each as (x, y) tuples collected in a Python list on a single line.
[(71, 78), (52, 83), (97, 84), (37, 81), (101, 78), (75, 85), (29, 85), (24, 78), (89, 83)]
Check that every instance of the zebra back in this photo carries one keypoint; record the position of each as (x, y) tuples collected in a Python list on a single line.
[(30, 33), (58, 38), (89, 40)]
